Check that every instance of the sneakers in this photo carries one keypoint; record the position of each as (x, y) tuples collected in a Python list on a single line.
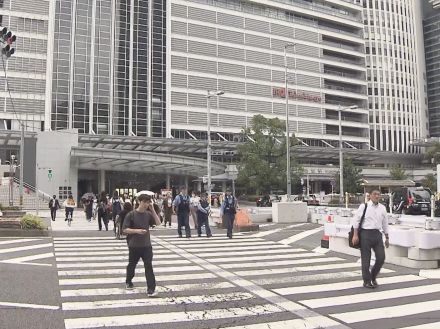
[(375, 284), (151, 294), (129, 286), (369, 285)]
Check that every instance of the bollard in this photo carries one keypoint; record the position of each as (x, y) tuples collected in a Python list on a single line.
[(432, 205), (391, 203)]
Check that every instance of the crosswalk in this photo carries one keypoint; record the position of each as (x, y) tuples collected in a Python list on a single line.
[(246, 282), (26, 251)]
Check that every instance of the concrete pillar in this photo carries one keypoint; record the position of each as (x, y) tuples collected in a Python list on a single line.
[(224, 186), (168, 181), (186, 182), (199, 186), (101, 180)]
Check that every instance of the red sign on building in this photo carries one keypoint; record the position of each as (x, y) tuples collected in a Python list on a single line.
[(293, 94)]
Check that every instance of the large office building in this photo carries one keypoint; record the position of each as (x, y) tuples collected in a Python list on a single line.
[(432, 53), (143, 68), (23, 98), (396, 73)]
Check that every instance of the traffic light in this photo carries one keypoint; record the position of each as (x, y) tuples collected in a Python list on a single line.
[(7, 39)]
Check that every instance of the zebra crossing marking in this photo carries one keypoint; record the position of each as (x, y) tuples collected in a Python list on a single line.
[(260, 257), (300, 236), (343, 285), (170, 317), (283, 262), (314, 322), (24, 248), (18, 241), (122, 270), (371, 297), (140, 302), (113, 280), (434, 325), (388, 312), (166, 288)]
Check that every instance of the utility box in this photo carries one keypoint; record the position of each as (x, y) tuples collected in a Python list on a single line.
[(289, 212)]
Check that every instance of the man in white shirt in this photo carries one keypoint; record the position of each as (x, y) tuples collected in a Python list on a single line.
[(370, 235)]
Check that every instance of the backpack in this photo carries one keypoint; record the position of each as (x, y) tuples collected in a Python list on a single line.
[(116, 207), (184, 204)]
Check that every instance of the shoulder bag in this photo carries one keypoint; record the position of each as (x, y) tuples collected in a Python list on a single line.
[(351, 233)]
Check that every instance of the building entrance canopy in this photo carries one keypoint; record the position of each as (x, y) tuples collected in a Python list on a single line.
[(140, 161)]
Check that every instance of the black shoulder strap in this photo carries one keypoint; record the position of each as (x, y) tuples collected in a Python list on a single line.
[(363, 216)]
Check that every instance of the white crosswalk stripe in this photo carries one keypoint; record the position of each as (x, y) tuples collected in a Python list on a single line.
[(243, 283)]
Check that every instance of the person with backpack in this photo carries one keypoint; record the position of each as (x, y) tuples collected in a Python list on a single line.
[(203, 211), (54, 205), (116, 208), (103, 211), (181, 207), (228, 211)]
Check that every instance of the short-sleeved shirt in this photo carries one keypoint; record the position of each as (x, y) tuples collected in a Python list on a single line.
[(138, 220)]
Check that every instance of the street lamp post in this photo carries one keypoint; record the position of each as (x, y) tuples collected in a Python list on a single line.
[(341, 155), (286, 92), (210, 94)]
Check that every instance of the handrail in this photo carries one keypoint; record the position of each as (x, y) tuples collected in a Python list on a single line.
[(40, 193)]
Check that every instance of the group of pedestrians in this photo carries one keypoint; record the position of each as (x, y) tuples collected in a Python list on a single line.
[(54, 205)]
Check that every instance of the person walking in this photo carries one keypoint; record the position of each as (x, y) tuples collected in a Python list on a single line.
[(137, 225), (127, 208), (203, 210), (194, 203), (54, 205), (228, 211), (181, 206), (116, 206), (374, 220), (167, 208), (103, 211), (88, 205)]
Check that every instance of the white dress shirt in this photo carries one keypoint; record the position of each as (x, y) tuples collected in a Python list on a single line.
[(375, 217)]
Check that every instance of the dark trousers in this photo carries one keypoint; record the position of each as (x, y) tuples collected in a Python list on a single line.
[(167, 217), (134, 254), (183, 220), (202, 219), (53, 213), (229, 221), (69, 211), (371, 239), (102, 217)]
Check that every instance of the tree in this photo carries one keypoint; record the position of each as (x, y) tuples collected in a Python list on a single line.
[(398, 173), (430, 182), (433, 153), (262, 166), (352, 177)]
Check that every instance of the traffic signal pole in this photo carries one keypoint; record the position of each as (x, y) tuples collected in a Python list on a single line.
[(21, 164)]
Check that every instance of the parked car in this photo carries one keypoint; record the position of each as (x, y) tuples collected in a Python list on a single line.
[(412, 201)]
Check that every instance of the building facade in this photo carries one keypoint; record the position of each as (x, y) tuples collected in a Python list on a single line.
[(396, 73), (432, 53), (22, 99), (238, 47), (109, 72)]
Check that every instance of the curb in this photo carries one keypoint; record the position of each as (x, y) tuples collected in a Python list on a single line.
[(10, 232)]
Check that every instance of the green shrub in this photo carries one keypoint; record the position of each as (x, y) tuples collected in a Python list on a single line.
[(31, 222)]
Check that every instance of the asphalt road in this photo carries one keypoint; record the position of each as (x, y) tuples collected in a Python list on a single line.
[(275, 278)]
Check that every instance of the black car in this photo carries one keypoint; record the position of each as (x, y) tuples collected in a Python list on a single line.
[(412, 201)]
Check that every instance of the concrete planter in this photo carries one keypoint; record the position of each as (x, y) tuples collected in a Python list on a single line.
[(13, 232)]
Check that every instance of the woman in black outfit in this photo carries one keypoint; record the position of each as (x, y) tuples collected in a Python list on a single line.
[(103, 211), (126, 208)]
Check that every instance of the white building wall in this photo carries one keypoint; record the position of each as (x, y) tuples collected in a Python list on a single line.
[(26, 69), (220, 45), (396, 73)]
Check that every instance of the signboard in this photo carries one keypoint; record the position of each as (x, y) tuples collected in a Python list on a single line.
[(293, 94)]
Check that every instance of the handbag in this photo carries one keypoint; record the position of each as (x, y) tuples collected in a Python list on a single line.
[(351, 233)]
